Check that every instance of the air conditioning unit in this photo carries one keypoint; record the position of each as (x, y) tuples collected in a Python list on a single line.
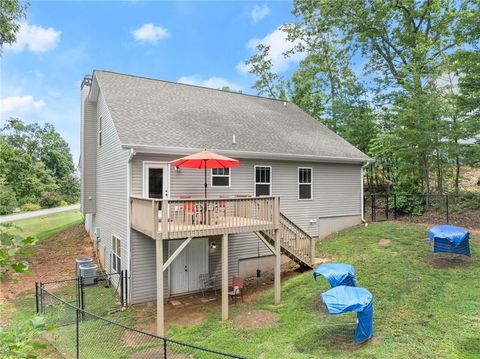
[(89, 273), (80, 261)]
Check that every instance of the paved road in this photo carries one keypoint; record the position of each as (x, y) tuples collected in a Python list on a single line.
[(17, 216)]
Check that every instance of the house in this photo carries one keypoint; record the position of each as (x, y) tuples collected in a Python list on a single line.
[(297, 181)]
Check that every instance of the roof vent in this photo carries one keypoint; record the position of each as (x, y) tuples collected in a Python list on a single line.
[(284, 103), (233, 140)]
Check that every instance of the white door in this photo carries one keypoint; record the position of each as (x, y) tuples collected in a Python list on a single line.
[(156, 178), (189, 264), (178, 269)]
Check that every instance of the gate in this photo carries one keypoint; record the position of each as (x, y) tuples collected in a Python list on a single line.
[(84, 293)]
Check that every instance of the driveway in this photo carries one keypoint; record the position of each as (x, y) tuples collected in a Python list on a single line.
[(41, 212)]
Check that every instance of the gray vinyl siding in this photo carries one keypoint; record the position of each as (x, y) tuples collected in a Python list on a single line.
[(111, 188), (88, 153), (336, 187), (336, 194)]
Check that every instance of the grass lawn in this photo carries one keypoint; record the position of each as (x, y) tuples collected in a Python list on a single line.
[(419, 311), (43, 227)]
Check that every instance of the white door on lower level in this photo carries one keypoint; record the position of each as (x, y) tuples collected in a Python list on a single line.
[(189, 264)]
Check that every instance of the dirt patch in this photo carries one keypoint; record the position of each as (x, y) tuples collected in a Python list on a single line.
[(158, 353), (446, 261), (48, 263), (256, 319), (384, 242)]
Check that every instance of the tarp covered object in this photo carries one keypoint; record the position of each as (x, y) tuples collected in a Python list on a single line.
[(344, 299), (336, 274), (450, 239)]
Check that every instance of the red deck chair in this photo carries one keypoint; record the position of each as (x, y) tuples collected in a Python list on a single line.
[(237, 289), (189, 208)]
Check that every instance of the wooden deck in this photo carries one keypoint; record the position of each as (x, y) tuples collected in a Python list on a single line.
[(182, 218)]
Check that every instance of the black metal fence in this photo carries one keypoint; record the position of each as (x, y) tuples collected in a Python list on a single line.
[(81, 333), (101, 294), (384, 206), (462, 209)]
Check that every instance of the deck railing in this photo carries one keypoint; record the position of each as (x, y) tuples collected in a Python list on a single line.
[(182, 218)]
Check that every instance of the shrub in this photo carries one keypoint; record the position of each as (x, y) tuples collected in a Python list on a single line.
[(19, 342), (50, 199), (63, 203), (409, 203), (27, 207), (7, 199)]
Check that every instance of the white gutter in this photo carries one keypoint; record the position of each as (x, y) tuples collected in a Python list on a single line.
[(245, 154)]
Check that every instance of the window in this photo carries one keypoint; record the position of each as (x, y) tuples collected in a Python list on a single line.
[(263, 181), (220, 177), (116, 254), (305, 183), (100, 120)]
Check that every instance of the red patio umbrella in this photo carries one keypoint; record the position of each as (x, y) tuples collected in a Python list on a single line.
[(205, 159)]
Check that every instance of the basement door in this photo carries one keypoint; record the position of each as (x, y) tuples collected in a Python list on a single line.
[(185, 270)]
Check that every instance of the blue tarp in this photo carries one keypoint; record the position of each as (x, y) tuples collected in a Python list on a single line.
[(344, 299), (337, 274), (449, 239)]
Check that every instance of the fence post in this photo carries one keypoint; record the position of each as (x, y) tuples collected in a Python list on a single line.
[(78, 332), (82, 295), (126, 288), (36, 298), (446, 204), (373, 208), (395, 206), (42, 307), (121, 288), (386, 208)]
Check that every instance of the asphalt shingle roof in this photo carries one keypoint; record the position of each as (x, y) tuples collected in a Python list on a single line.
[(149, 112)]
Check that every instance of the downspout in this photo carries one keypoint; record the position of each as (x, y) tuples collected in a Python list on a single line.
[(129, 247), (362, 197)]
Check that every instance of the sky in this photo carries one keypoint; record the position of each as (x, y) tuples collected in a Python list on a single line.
[(202, 43)]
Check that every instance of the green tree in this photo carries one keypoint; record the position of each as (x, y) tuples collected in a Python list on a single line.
[(268, 82), (11, 13), (43, 148)]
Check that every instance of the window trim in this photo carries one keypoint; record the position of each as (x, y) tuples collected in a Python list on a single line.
[(116, 256), (100, 131), (311, 184), (229, 177), (255, 179)]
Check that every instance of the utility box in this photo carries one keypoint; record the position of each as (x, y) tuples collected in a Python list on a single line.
[(89, 273), (80, 261)]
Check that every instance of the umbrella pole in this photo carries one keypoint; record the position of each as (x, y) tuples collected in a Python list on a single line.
[(205, 181)]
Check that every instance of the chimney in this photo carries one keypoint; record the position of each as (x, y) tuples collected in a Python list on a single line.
[(87, 81)]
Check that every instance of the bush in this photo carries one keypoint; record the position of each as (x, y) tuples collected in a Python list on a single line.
[(409, 203), (20, 342), (7, 199), (63, 203), (27, 207), (50, 199)]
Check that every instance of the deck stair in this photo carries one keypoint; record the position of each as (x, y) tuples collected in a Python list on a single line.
[(295, 243)]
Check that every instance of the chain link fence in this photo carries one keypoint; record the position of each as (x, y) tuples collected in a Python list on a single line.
[(80, 333)]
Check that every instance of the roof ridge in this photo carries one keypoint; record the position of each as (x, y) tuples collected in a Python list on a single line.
[(190, 85)]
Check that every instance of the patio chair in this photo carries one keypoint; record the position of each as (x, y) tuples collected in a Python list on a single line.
[(238, 285), (189, 208), (207, 283)]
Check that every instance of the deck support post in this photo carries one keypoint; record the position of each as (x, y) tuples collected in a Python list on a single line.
[(225, 277), (160, 309), (277, 276)]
